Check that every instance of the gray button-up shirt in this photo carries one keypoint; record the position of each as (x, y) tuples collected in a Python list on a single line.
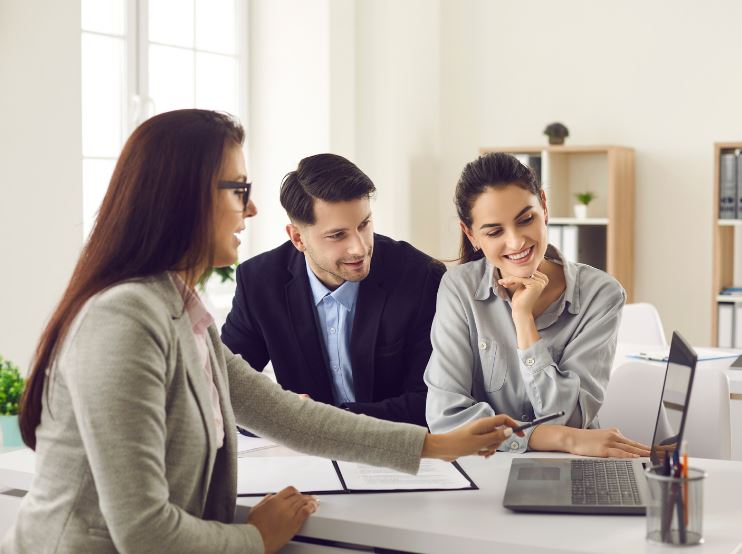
[(477, 370)]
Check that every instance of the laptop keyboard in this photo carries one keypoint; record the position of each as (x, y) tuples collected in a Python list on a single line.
[(604, 482)]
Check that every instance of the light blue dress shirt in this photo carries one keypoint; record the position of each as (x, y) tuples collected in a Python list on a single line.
[(335, 312)]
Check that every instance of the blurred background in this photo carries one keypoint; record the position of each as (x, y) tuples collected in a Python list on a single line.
[(409, 90)]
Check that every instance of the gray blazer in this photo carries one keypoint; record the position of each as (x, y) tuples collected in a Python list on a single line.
[(126, 449)]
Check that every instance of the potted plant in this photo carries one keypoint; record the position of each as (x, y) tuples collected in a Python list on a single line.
[(11, 389), (583, 199), (556, 132), (225, 274)]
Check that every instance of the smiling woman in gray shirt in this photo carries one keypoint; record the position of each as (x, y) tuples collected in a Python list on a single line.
[(518, 329)]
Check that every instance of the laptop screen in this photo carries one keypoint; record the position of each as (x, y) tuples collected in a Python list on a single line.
[(668, 430)]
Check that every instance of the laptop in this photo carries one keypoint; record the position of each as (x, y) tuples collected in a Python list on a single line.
[(603, 485)]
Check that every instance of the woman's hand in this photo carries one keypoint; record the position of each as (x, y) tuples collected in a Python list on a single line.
[(482, 437), (279, 516), (605, 443), (527, 293)]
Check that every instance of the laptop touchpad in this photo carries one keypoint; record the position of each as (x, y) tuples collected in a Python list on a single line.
[(532, 473)]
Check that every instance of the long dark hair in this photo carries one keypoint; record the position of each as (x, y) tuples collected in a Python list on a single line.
[(495, 169), (156, 216)]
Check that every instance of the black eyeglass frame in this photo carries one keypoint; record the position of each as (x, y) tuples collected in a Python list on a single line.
[(238, 185)]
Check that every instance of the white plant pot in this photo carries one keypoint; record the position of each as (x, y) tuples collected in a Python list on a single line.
[(580, 211)]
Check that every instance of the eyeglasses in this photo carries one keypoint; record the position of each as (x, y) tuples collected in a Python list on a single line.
[(239, 187)]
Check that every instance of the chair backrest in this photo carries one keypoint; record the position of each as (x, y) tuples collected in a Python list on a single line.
[(633, 396), (641, 324)]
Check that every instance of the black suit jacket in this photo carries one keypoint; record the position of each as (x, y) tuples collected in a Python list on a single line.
[(273, 318)]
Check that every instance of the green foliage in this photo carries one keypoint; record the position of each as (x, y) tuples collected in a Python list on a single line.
[(585, 197), (11, 387), (556, 130), (224, 273)]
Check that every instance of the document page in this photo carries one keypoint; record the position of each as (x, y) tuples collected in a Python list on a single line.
[(433, 474), (269, 474), (703, 354)]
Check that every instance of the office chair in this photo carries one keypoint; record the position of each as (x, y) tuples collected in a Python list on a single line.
[(641, 324), (633, 395)]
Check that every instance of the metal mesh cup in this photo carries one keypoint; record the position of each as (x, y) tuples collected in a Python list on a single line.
[(675, 508)]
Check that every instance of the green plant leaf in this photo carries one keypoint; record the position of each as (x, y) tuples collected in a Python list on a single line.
[(585, 197), (11, 387)]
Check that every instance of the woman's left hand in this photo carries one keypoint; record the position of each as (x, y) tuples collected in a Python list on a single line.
[(481, 436), (528, 292), (606, 443)]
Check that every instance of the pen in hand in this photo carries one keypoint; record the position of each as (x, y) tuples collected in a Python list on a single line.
[(538, 421)]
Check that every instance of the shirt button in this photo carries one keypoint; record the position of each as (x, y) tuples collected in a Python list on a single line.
[(530, 362), (524, 417), (483, 345), (332, 330), (514, 445)]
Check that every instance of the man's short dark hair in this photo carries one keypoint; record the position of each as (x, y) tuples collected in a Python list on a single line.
[(327, 177)]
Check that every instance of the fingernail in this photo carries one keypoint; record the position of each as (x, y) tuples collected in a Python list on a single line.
[(508, 431)]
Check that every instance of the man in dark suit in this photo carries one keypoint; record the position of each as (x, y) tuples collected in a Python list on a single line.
[(343, 314)]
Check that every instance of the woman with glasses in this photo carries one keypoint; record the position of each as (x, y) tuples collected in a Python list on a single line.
[(132, 400)]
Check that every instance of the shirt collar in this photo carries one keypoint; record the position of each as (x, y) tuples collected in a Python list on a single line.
[(488, 284), (346, 294), (194, 306)]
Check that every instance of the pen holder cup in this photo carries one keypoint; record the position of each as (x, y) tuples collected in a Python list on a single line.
[(675, 508)]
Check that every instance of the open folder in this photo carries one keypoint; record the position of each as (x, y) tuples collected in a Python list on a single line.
[(261, 475)]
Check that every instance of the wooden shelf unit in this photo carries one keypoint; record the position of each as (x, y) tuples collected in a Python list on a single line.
[(607, 171), (724, 244)]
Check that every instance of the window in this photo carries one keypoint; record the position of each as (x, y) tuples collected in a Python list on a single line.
[(144, 57)]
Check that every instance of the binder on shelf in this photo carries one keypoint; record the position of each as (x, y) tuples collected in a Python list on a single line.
[(555, 236), (569, 242), (739, 186), (531, 160), (738, 326), (725, 328), (728, 185)]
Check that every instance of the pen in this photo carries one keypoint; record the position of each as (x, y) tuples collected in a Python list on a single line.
[(538, 421), (684, 474), (666, 503), (665, 463)]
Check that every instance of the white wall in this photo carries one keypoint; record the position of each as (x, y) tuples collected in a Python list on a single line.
[(302, 83), (398, 107), (40, 165), (662, 77)]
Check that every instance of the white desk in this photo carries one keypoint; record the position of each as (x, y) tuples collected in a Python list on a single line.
[(475, 521), (734, 375), (735, 385)]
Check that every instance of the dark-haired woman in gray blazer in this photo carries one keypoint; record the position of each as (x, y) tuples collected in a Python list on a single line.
[(129, 404)]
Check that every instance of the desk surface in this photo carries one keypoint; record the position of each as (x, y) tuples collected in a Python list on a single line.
[(475, 521), (734, 375)]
